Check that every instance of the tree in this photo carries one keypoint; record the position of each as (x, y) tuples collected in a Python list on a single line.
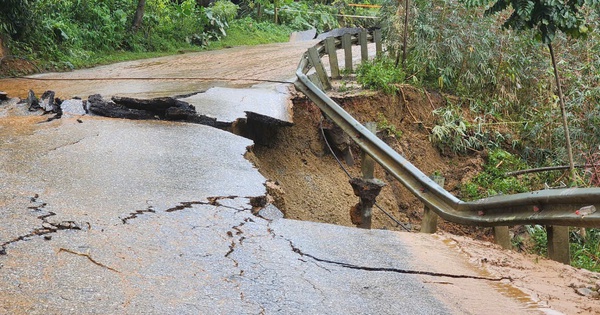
[(546, 17), (15, 17), (138, 16)]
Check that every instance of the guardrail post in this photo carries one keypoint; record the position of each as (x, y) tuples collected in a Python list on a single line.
[(502, 236), (429, 221), (333, 60), (364, 49), (558, 243), (313, 56), (347, 45), (377, 39)]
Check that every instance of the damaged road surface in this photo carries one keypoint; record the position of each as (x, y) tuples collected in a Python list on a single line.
[(115, 216)]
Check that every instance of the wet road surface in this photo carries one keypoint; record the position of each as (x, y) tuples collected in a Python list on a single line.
[(170, 75), (111, 216)]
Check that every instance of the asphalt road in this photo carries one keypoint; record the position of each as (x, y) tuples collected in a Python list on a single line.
[(109, 216)]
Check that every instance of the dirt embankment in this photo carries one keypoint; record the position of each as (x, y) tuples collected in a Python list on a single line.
[(312, 186)]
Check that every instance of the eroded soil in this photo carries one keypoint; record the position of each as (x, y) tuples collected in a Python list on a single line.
[(316, 188)]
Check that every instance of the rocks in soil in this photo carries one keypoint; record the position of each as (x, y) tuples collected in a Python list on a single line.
[(584, 291), (587, 291)]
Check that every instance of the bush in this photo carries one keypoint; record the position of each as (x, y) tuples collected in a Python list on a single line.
[(380, 74), (225, 10), (492, 181)]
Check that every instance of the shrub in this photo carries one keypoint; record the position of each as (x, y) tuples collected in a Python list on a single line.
[(380, 74)]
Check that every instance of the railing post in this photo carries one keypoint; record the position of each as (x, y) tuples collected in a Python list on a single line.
[(313, 56), (502, 236), (430, 218), (364, 49), (377, 39), (347, 45), (558, 243), (333, 60)]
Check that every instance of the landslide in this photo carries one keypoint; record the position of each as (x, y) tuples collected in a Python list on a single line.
[(307, 183)]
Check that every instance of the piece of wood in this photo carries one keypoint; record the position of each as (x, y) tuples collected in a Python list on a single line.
[(313, 56), (333, 60), (347, 45), (3, 96)]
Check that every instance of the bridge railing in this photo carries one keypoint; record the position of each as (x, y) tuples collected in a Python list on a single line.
[(557, 208)]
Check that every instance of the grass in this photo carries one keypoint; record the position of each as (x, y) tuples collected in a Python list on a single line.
[(243, 32), (247, 32)]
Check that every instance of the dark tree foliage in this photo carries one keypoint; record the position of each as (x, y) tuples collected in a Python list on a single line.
[(545, 16), (15, 17)]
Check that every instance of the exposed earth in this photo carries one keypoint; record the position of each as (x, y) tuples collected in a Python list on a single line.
[(306, 182)]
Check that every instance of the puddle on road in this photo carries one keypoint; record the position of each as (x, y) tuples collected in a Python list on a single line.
[(508, 290)]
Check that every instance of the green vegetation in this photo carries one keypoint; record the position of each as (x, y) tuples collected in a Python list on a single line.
[(380, 74), (493, 181), (387, 128), (247, 31), (585, 251), (508, 101)]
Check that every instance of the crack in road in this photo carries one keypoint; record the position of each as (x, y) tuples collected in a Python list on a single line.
[(394, 270), (72, 143), (89, 257), (47, 227), (136, 213)]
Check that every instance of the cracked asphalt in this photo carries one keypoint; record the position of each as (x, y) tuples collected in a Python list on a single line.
[(111, 216)]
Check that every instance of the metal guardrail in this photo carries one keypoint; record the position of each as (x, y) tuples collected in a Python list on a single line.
[(548, 207)]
